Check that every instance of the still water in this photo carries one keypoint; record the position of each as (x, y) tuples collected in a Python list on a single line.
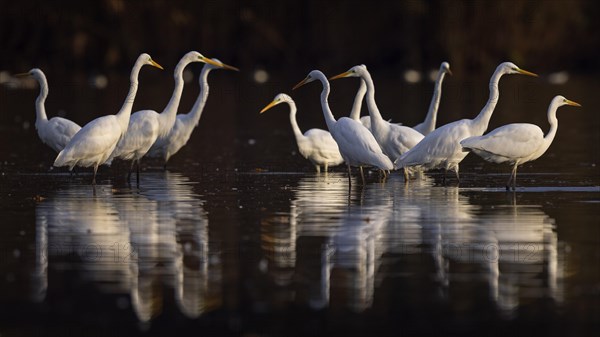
[(252, 242)]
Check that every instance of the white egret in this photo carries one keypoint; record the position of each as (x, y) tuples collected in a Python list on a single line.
[(393, 139), (57, 131), (147, 126), (95, 142), (357, 106), (516, 143), (428, 124), (185, 123), (441, 148), (316, 145), (357, 145)]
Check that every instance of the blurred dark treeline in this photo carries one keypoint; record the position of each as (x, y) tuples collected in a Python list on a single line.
[(70, 37)]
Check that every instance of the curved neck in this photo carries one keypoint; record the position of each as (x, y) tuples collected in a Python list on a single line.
[(373, 110), (125, 112), (167, 117), (40, 109), (358, 99), (297, 133), (329, 119), (198, 107), (431, 117), (549, 137), (480, 123)]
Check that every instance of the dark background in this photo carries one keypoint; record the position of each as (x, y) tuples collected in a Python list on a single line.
[(73, 37)]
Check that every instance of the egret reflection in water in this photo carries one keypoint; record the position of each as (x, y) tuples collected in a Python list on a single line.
[(452, 237), (140, 242)]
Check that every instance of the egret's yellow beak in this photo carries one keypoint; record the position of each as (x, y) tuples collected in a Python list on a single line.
[(569, 102), (269, 106), (209, 61), (228, 67), (525, 72), (154, 64), (22, 75), (301, 83), (449, 72), (342, 75)]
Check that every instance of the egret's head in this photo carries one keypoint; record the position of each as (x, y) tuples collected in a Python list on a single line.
[(561, 100), (355, 71), (313, 75), (511, 68), (280, 98), (220, 65), (146, 59), (35, 73), (195, 56), (445, 67)]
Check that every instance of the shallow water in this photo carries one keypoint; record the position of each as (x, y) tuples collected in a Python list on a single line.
[(240, 237)]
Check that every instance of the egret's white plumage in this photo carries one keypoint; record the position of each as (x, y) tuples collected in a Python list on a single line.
[(428, 124), (393, 139), (357, 145), (517, 143), (55, 132), (95, 142), (147, 126), (357, 106), (441, 148), (181, 131), (316, 145)]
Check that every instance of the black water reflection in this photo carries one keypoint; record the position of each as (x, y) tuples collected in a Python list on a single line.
[(332, 251), (141, 242)]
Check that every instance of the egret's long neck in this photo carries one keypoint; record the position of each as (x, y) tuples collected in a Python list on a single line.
[(549, 137), (198, 107), (480, 123), (297, 133), (329, 119), (431, 117), (376, 118), (358, 100), (40, 109), (125, 112), (167, 117)]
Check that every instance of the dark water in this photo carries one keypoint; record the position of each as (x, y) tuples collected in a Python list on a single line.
[(240, 237)]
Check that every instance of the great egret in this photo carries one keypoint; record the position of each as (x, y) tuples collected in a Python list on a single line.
[(94, 143), (147, 126), (316, 145), (57, 131), (357, 106), (185, 123), (428, 124), (357, 145), (393, 139), (441, 148), (517, 143)]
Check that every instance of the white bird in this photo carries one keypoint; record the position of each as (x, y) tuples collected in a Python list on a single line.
[(516, 143), (357, 106), (316, 145), (357, 145), (148, 126), (95, 142), (57, 131), (441, 148), (428, 124), (185, 123), (393, 139)]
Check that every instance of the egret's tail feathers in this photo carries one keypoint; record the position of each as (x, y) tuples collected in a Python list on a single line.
[(60, 159), (386, 164), (466, 144)]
